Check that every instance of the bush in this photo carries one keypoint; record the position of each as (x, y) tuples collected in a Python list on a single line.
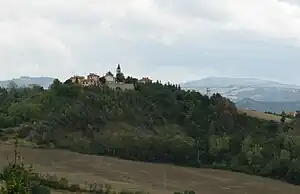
[(39, 189), (185, 192), (74, 187)]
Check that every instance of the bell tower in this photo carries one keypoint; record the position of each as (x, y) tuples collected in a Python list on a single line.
[(118, 69)]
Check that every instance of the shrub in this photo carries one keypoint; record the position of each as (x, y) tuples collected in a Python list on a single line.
[(39, 189), (74, 187)]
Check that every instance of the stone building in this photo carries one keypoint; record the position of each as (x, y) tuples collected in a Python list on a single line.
[(145, 80), (109, 77)]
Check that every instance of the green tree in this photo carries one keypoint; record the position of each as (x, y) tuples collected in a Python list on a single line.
[(12, 85), (120, 77), (131, 80), (283, 117)]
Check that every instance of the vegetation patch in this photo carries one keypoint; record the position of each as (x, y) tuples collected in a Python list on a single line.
[(264, 115)]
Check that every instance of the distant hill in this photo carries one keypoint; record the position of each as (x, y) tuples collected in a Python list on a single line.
[(228, 81), (263, 106), (26, 81), (262, 95), (262, 115)]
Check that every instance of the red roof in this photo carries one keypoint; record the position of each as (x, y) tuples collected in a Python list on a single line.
[(145, 78), (78, 77), (92, 75), (109, 74)]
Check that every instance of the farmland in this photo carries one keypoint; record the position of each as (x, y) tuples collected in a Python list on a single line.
[(153, 178), (261, 115)]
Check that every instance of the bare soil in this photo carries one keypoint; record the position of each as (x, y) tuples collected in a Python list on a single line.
[(154, 178)]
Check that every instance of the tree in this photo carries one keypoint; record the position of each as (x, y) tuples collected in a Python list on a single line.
[(55, 84), (69, 81), (12, 85), (120, 77), (102, 80), (15, 176), (131, 80), (283, 117)]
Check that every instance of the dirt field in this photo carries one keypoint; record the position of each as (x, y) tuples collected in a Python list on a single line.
[(144, 176), (262, 115)]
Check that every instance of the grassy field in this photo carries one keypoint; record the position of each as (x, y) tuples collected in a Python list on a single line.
[(154, 178), (262, 115)]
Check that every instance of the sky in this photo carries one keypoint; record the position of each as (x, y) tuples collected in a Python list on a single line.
[(168, 40)]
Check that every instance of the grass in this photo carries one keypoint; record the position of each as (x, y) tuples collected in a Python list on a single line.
[(153, 178), (262, 115)]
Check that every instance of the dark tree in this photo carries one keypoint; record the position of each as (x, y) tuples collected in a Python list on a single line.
[(69, 81), (131, 80), (120, 77), (102, 80)]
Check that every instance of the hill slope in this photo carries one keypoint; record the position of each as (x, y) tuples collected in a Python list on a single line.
[(262, 115), (153, 123), (122, 174), (261, 106)]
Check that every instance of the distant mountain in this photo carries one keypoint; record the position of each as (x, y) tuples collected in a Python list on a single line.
[(262, 95), (224, 82), (26, 81)]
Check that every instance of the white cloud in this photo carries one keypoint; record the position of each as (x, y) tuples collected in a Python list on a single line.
[(163, 39)]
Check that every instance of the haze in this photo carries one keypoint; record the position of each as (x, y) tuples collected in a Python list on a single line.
[(171, 40)]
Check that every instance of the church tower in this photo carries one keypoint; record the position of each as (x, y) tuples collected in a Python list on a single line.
[(118, 69)]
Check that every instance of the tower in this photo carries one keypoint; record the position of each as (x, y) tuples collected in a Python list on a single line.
[(118, 69), (207, 91)]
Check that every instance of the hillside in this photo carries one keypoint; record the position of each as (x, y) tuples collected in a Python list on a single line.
[(262, 115), (224, 82), (153, 123), (270, 106), (269, 95), (123, 174)]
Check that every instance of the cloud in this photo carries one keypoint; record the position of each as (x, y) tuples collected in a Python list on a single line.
[(167, 40), (269, 18)]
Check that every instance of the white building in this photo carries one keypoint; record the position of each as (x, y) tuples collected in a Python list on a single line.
[(109, 77)]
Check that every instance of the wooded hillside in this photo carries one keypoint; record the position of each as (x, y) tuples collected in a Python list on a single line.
[(154, 123)]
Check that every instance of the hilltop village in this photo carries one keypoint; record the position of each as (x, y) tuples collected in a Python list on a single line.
[(114, 82)]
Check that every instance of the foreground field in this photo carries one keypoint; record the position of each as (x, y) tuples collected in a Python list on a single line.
[(154, 178), (261, 115)]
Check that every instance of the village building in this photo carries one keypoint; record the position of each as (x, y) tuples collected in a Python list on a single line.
[(93, 80), (145, 80), (77, 79), (108, 79), (118, 69), (93, 76), (293, 114)]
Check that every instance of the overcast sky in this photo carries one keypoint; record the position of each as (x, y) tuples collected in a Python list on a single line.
[(175, 40)]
